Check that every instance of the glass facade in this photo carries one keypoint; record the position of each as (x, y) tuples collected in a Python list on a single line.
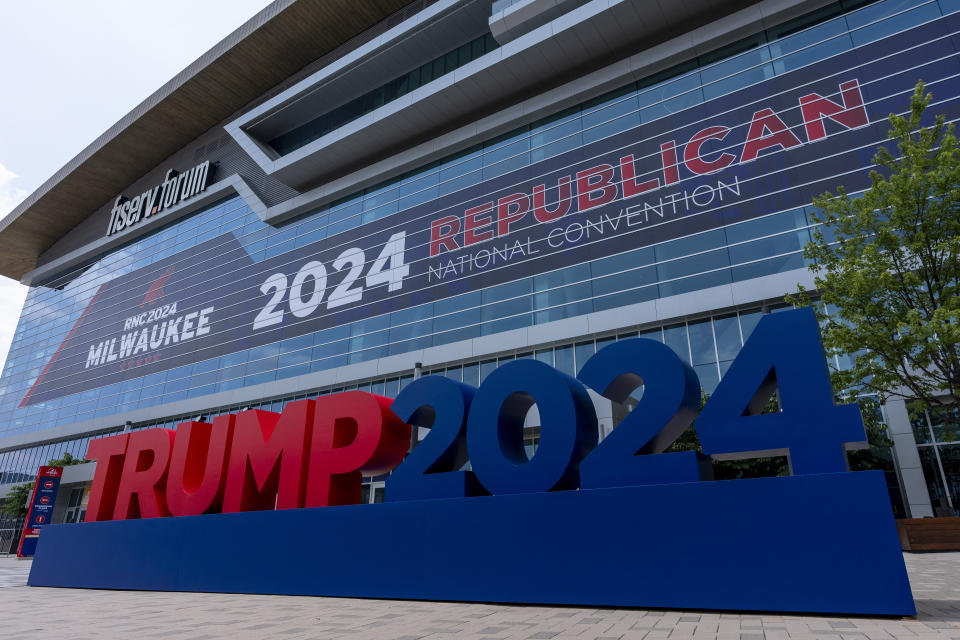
[(937, 433), (763, 246)]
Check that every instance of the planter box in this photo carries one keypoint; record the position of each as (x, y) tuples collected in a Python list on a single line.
[(929, 534)]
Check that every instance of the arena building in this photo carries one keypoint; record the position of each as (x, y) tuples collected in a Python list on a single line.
[(345, 195)]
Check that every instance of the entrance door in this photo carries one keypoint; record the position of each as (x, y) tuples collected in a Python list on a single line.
[(77, 506)]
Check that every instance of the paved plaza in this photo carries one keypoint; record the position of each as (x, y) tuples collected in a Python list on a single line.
[(77, 613)]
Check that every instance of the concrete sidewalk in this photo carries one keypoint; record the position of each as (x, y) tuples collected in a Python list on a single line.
[(77, 613)]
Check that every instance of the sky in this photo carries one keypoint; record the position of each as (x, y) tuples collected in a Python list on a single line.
[(73, 69)]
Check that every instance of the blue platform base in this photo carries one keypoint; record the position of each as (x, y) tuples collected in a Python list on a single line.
[(817, 543)]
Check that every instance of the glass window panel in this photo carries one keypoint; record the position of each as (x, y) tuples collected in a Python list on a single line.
[(263, 351), (931, 473), (724, 365), (292, 358), (391, 388), (709, 264), (950, 461), (944, 423), (652, 334), (451, 61), (727, 330), (414, 324), (471, 374), (737, 72), (748, 321), (921, 429), (807, 21), (554, 301), (513, 309), (461, 172), (675, 337), (419, 189), (691, 244), (812, 45), (862, 31), (792, 242), (506, 153), (345, 215), (610, 114), (602, 342), (670, 97), (451, 324), (199, 367), (455, 373), (627, 274), (564, 360), (545, 356), (583, 352), (701, 342), (555, 135), (779, 264), (380, 212), (486, 368), (554, 279), (949, 6), (294, 344), (368, 347), (638, 285), (329, 354), (709, 377), (378, 196), (766, 226)]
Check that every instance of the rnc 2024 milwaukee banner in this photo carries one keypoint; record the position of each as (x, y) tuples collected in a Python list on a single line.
[(767, 148)]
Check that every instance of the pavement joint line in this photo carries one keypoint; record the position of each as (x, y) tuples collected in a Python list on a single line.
[(935, 579)]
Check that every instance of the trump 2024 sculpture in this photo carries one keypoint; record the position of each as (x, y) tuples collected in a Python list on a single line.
[(260, 502)]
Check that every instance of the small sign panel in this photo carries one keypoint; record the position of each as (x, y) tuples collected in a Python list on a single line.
[(41, 508)]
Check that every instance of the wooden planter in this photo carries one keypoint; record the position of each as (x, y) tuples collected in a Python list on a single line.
[(929, 534)]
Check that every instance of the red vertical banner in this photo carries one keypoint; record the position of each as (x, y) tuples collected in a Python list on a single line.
[(41, 508)]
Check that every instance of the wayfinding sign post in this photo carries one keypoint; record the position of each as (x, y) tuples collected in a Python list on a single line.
[(41, 508)]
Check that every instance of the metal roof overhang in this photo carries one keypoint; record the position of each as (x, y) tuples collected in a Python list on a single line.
[(264, 52)]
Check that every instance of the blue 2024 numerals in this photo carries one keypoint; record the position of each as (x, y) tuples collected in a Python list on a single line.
[(783, 354)]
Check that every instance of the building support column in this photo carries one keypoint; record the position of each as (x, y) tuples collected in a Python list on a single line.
[(913, 483)]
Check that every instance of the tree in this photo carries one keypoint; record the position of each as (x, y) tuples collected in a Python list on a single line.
[(887, 263), (15, 504), (66, 461)]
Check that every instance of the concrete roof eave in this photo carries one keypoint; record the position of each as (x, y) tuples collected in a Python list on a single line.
[(265, 51)]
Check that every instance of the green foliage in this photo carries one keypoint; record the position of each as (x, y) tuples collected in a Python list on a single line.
[(66, 461), (15, 504), (891, 278)]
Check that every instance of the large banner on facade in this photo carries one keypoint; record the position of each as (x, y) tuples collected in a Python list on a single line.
[(766, 148)]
